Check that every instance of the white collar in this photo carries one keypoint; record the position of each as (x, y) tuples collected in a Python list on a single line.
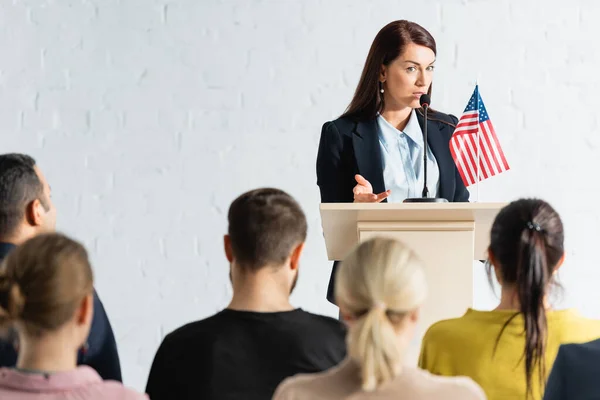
[(412, 129)]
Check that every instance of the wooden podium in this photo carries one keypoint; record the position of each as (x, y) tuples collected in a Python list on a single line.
[(446, 236)]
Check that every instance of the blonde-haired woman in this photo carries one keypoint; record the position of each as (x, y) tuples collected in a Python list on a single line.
[(379, 288)]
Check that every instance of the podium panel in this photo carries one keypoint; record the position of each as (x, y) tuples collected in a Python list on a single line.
[(447, 259), (447, 237)]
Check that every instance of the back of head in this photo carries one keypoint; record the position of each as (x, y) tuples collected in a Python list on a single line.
[(19, 186), (264, 227), (526, 246), (42, 282), (377, 285)]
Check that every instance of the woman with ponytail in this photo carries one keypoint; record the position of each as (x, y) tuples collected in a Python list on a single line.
[(509, 351), (46, 295), (379, 288)]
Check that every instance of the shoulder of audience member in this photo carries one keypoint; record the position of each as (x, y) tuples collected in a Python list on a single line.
[(192, 331), (455, 387), (194, 328), (576, 352), (465, 388), (285, 389), (444, 328), (116, 390), (326, 321), (294, 387)]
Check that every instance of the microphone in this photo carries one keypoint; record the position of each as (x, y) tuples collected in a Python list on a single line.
[(424, 100)]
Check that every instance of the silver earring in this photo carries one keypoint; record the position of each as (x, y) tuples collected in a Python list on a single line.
[(381, 87)]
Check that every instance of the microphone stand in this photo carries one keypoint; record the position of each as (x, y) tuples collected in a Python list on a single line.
[(425, 194)]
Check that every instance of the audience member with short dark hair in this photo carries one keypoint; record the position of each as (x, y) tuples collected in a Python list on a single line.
[(510, 350), (26, 210), (46, 294), (246, 350), (379, 288)]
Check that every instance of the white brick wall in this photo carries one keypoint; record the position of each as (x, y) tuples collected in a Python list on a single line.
[(150, 116)]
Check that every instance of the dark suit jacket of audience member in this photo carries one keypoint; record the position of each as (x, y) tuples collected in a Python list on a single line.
[(575, 373), (101, 353), (350, 147)]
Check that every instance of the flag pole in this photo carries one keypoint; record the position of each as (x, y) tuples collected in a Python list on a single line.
[(478, 168)]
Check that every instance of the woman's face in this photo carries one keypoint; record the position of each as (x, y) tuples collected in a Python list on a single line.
[(407, 77)]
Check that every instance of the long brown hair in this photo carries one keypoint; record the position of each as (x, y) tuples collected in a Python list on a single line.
[(527, 243), (388, 45)]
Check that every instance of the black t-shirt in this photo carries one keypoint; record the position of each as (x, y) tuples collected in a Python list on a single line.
[(243, 355)]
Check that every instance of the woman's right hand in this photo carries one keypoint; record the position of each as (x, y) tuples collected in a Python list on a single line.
[(363, 192)]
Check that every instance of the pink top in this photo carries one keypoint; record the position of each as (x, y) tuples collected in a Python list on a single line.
[(82, 383)]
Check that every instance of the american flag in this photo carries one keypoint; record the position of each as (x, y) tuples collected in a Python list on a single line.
[(475, 122)]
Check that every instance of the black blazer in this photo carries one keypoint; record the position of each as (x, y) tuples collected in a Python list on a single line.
[(347, 148), (575, 373), (351, 147)]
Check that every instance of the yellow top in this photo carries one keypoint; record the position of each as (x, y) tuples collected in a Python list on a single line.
[(465, 346)]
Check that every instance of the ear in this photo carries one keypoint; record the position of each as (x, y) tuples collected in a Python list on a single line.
[(382, 73), (34, 213), (492, 261), (295, 257), (559, 263), (490, 256), (346, 317), (228, 250), (85, 312), (414, 315)]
